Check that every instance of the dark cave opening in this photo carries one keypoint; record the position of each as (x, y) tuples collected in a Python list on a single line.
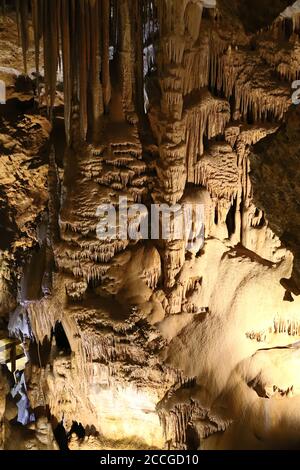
[(288, 28), (250, 117), (7, 236), (61, 339), (77, 429), (230, 219), (61, 436), (7, 226), (58, 139), (192, 439)]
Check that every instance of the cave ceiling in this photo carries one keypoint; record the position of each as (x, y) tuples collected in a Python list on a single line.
[(142, 338)]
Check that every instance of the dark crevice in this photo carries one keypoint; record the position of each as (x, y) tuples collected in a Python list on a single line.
[(77, 429), (61, 437), (39, 353), (230, 219), (61, 339)]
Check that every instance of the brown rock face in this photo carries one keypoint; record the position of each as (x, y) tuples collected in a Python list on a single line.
[(275, 175), (136, 341), (256, 14)]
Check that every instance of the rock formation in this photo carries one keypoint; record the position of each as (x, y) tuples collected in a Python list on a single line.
[(149, 343)]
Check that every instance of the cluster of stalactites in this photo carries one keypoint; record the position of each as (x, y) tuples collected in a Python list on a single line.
[(76, 35), (80, 36)]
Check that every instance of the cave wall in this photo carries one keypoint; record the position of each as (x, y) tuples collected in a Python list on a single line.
[(149, 344)]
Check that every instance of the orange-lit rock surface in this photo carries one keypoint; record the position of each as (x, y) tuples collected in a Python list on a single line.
[(149, 344)]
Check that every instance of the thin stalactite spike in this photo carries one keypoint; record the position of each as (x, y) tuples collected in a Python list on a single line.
[(105, 53), (67, 66), (22, 20), (83, 65), (36, 29)]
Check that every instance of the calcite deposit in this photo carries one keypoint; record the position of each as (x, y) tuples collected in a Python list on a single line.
[(149, 343)]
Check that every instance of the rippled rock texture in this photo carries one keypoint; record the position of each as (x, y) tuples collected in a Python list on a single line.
[(148, 344)]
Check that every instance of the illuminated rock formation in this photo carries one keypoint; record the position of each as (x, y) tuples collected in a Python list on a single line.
[(150, 343)]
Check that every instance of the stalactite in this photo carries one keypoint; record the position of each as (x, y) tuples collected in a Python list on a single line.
[(83, 68), (73, 34), (22, 16), (296, 22), (209, 118), (37, 35), (67, 66), (141, 311), (127, 60), (95, 89), (196, 68), (138, 10), (51, 41), (114, 23), (252, 85), (105, 52)]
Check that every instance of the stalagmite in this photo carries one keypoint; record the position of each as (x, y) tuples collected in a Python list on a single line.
[(178, 340)]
